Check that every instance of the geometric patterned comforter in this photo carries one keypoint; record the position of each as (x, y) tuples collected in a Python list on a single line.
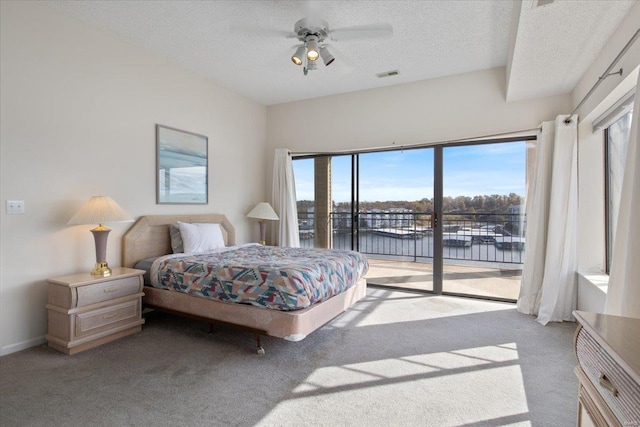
[(278, 278)]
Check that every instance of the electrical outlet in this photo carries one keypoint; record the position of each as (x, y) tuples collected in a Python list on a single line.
[(15, 207)]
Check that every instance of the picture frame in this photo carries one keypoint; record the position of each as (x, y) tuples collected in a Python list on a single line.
[(182, 165)]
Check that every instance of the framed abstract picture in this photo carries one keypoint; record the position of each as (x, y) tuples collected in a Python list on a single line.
[(182, 167)]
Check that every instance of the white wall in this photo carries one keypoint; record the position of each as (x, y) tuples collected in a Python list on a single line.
[(468, 105), (591, 146), (78, 109), (592, 282)]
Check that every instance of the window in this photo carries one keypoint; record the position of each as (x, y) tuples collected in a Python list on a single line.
[(385, 204), (616, 141), (304, 172)]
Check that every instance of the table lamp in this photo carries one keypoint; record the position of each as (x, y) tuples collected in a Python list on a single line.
[(263, 212), (99, 210)]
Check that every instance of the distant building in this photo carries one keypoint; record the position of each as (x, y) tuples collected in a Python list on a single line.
[(515, 211), (517, 218), (400, 217), (306, 219), (391, 218)]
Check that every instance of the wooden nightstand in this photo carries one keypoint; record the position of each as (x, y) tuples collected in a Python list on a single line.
[(86, 311)]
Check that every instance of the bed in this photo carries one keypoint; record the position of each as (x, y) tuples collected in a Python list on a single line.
[(149, 238)]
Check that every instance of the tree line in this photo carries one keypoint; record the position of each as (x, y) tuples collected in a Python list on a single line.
[(488, 204)]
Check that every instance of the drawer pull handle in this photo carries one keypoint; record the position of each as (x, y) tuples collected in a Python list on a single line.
[(106, 291), (112, 315), (604, 382)]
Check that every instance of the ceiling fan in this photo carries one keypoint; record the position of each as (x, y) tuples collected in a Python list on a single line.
[(313, 34)]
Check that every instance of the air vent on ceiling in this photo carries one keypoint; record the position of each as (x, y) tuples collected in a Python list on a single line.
[(539, 3), (388, 74)]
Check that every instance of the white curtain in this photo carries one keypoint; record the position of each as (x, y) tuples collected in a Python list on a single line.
[(537, 212), (284, 200), (623, 293), (549, 283)]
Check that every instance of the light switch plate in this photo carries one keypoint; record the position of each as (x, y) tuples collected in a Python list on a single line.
[(15, 207)]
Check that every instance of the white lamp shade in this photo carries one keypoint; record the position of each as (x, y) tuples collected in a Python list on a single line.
[(263, 210), (100, 210)]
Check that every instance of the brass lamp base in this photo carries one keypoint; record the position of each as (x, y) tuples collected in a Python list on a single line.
[(101, 269), (100, 234)]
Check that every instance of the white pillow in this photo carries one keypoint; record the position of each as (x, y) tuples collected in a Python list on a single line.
[(199, 238)]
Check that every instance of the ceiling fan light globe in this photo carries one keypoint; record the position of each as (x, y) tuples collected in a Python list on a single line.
[(327, 57), (312, 49), (299, 55)]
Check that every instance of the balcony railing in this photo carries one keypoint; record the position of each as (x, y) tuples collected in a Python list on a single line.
[(493, 238)]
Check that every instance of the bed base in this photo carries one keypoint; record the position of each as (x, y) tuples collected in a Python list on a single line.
[(256, 332), (289, 325)]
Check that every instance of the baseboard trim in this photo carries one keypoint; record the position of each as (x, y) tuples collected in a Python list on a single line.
[(12, 348)]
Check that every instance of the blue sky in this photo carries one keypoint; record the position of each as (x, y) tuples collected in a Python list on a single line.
[(408, 175)]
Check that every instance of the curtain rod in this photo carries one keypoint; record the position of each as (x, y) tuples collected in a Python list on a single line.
[(606, 74), (480, 139)]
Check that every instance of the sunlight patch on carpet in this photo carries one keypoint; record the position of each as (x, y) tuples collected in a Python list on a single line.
[(448, 388), (382, 307)]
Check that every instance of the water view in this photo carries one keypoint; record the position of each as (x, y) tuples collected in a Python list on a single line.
[(399, 232), (482, 258)]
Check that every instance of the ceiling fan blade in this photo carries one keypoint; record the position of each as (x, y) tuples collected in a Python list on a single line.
[(362, 32)]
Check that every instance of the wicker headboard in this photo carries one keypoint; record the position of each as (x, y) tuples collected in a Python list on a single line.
[(149, 236)]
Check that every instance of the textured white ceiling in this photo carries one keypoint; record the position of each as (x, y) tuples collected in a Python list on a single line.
[(555, 44), (242, 45)]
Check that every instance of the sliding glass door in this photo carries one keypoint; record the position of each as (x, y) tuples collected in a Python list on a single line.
[(394, 217), (304, 172), (483, 219), (442, 219)]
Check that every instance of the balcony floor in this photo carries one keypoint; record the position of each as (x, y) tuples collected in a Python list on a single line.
[(482, 281)]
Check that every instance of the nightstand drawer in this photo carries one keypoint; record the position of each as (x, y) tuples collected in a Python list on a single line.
[(93, 322), (108, 290), (616, 387)]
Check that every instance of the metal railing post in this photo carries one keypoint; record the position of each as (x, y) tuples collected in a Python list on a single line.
[(415, 240)]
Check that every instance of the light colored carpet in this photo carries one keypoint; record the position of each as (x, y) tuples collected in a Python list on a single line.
[(395, 359)]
